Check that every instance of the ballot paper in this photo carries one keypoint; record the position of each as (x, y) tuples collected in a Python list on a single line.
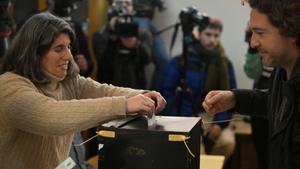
[(152, 120)]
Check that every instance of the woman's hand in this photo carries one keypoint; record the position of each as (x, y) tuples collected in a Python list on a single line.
[(147, 103)]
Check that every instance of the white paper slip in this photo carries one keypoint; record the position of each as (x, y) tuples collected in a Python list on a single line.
[(67, 164), (151, 121)]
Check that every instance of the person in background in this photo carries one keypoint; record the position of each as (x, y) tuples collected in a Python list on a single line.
[(44, 100), (275, 33), (147, 32), (124, 61), (144, 13), (107, 41), (256, 70), (207, 68)]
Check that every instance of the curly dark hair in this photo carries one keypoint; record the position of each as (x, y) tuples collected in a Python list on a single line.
[(283, 14), (32, 41)]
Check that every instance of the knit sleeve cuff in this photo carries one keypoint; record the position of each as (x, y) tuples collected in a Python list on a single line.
[(119, 105)]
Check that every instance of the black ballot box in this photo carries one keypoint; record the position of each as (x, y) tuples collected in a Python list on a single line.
[(129, 143)]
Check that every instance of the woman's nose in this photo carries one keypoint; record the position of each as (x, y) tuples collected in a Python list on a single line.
[(67, 55)]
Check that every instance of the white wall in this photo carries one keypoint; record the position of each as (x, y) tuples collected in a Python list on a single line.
[(234, 17)]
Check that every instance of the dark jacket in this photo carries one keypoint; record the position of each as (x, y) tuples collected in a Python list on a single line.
[(124, 67), (196, 76), (281, 104)]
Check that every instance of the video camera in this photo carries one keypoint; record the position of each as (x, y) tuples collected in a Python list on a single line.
[(118, 9), (146, 8), (190, 17), (124, 25), (63, 8)]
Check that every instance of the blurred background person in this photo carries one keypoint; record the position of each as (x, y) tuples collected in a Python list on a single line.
[(147, 33), (207, 68), (124, 61), (122, 36), (144, 13)]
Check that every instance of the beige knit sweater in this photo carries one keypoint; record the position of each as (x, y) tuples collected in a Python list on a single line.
[(37, 122)]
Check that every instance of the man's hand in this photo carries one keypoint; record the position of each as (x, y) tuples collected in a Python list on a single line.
[(218, 101)]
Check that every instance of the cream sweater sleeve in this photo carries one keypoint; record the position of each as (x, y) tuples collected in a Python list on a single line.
[(89, 88), (29, 110)]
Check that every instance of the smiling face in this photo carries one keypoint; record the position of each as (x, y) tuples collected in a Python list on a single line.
[(276, 50), (56, 60)]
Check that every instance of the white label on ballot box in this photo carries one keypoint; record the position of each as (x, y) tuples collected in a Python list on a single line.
[(67, 164)]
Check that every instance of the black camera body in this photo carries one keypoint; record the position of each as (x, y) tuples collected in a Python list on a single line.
[(146, 8), (119, 9), (124, 25), (190, 17), (63, 8)]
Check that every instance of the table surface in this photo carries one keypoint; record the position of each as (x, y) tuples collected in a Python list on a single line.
[(211, 162)]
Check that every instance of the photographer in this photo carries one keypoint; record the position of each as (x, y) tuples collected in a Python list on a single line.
[(146, 35), (207, 68), (119, 42), (124, 60), (144, 13)]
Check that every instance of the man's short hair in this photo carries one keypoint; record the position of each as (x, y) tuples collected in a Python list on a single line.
[(214, 23)]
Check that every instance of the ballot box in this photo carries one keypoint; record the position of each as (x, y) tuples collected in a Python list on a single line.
[(130, 143)]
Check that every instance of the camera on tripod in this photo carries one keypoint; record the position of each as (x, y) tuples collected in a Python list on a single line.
[(190, 17)]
